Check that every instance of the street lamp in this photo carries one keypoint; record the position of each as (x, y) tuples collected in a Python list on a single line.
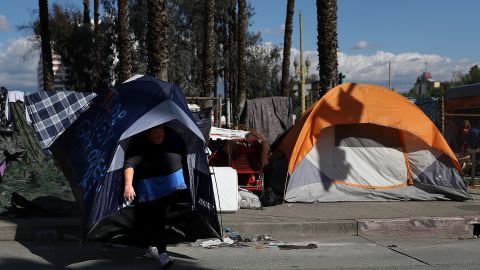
[(302, 69), (297, 72), (302, 72), (307, 65)]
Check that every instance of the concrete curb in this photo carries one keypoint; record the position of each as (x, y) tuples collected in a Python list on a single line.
[(438, 227), (53, 229), (300, 229), (430, 227)]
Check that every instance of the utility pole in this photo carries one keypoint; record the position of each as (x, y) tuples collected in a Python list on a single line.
[(389, 75), (302, 78), (228, 112)]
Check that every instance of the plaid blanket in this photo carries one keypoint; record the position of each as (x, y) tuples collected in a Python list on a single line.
[(52, 112)]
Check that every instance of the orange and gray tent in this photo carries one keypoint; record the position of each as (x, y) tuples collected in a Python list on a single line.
[(365, 142)]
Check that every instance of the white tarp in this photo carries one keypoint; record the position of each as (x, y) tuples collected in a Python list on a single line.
[(225, 188), (227, 134)]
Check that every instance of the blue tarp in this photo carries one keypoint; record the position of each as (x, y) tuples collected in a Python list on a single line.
[(431, 107)]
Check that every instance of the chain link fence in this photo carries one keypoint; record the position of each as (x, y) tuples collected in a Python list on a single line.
[(461, 122)]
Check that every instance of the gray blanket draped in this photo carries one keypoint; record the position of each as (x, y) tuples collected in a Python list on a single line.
[(270, 116)]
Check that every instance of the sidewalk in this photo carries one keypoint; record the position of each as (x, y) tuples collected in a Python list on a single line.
[(444, 219), (408, 218)]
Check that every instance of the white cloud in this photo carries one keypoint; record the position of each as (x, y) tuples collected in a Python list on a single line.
[(273, 31), (363, 44), (3, 23), (406, 67), (18, 64)]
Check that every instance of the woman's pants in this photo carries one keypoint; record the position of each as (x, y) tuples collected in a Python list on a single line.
[(151, 220)]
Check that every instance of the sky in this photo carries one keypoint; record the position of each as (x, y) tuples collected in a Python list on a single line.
[(440, 36)]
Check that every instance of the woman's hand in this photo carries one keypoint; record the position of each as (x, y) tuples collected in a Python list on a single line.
[(129, 193)]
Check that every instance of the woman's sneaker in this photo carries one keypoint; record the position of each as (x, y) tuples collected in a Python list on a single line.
[(163, 259), (152, 253)]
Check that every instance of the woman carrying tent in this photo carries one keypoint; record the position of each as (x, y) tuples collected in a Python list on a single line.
[(152, 174)]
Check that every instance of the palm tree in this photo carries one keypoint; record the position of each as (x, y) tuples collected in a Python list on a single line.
[(157, 39), (242, 29), (123, 41), (327, 44), (46, 46), (287, 43), (208, 79)]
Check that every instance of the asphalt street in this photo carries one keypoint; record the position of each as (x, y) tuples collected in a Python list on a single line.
[(347, 252)]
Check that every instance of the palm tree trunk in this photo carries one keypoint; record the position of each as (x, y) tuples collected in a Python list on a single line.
[(95, 81), (232, 72), (46, 46), (157, 39), (96, 14), (86, 12), (242, 29), (225, 69), (287, 43), (123, 41), (138, 24), (208, 80), (87, 72), (327, 44)]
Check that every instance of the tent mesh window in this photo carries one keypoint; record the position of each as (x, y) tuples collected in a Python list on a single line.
[(367, 135)]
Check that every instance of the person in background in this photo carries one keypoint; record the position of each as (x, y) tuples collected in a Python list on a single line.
[(465, 131), (152, 175)]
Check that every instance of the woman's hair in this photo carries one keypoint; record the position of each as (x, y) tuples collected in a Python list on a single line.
[(155, 127), (147, 131)]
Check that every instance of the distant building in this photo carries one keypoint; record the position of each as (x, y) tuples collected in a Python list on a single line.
[(59, 73), (425, 83)]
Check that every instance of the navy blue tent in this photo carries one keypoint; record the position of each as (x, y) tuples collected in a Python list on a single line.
[(91, 150)]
